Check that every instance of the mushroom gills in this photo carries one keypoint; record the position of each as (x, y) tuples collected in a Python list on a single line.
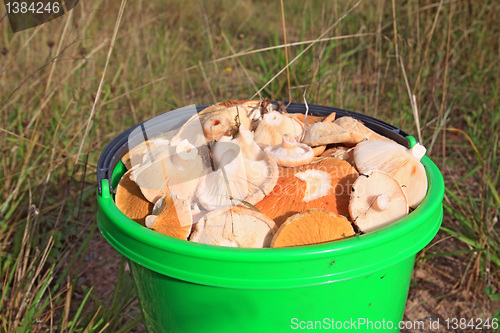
[(377, 200), (235, 227), (401, 163)]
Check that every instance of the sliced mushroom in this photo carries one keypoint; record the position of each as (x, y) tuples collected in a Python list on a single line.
[(274, 125), (130, 201), (313, 226), (377, 200), (290, 153), (401, 163), (235, 227), (174, 218), (324, 184)]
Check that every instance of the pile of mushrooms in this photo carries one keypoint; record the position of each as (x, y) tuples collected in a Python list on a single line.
[(269, 178)]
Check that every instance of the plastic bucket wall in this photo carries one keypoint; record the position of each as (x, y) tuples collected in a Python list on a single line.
[(360, 283)]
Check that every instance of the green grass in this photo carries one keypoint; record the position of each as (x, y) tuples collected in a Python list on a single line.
[(168, 54)]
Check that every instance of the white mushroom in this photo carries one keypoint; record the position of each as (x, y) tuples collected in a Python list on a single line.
[(358, 131), (290, 153), (344, 130), (235, 111), (377, 200), (237, 178), (340, 152), (401, 163), (323, 133), (235, 227), (168, 172), (135, 155), (249, 148), (274, 125), (227, 186)]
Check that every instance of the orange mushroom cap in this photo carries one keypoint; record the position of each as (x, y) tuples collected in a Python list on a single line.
[(174, 219), (324, 184), (313, 226), (130, 200)]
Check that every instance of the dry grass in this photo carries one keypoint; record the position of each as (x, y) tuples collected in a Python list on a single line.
[(70, 86)]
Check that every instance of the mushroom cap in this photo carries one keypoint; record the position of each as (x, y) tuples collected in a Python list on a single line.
[(136, 155), (358, 131), (249, 148), (324, 184), (318, 150), (174, 219), (262, 176), (290, 153), (216, 126), (313, 226), (177, 170), (235, 111), (274, 125), (308, 121), (330, 118), (237, 178), (401, 163), (340, 152), (151, 178), (377, 200), (346, 130), (130, 201), (235, 227), (324, 133)]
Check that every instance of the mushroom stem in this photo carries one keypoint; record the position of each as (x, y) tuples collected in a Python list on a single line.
[(289, 142), (215, 127), (150, 220), (382, 202), (418, 151)]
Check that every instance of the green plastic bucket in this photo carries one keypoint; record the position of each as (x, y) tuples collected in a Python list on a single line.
[(357, 284)]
